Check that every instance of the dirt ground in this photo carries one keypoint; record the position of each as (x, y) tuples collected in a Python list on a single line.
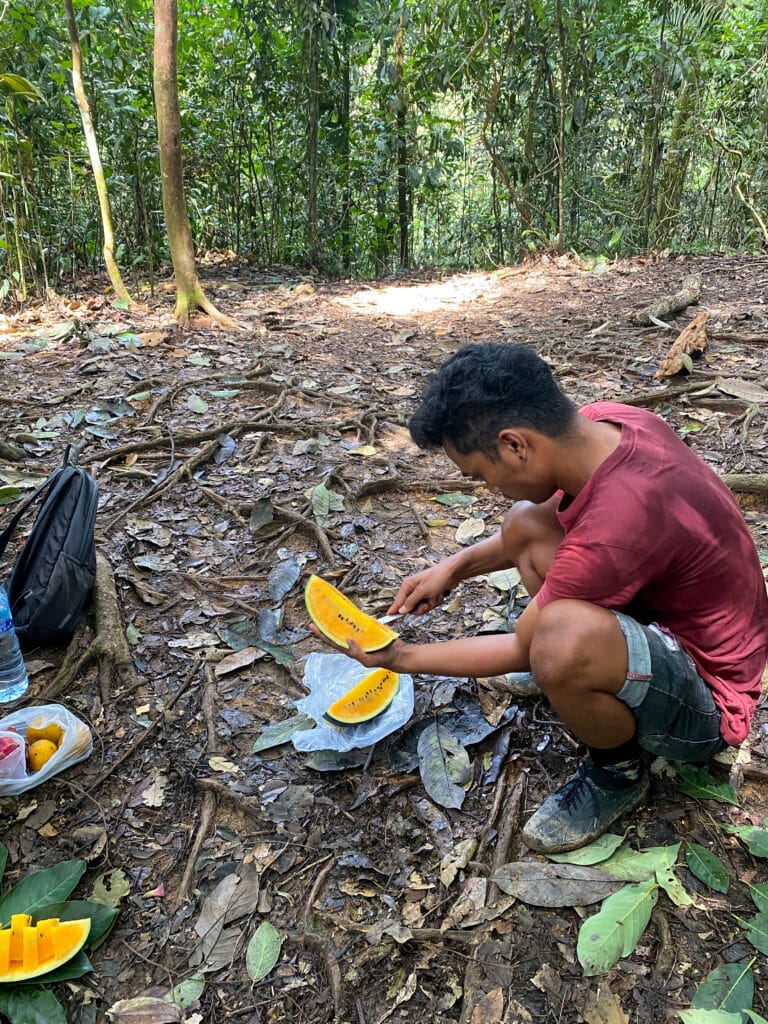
[(207, 446)]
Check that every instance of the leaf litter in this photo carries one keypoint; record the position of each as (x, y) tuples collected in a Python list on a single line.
[(224, 478)]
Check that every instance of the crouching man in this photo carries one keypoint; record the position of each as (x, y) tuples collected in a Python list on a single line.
[(648, 624)]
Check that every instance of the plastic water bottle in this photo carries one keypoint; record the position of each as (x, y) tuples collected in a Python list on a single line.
[(13, 675)]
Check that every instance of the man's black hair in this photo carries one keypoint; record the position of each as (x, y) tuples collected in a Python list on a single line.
[(481, 390)]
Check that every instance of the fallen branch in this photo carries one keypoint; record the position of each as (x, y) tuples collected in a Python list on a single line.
[(108, 647), (688, 295), (746, 483), (646, 398), (244, 804), (396, 483), (510, 823)]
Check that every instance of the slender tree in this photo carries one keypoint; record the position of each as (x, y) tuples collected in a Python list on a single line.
[(93, 152), (189, 291)]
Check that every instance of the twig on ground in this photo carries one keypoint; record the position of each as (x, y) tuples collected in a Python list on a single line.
[(208, 808), (510, 823)]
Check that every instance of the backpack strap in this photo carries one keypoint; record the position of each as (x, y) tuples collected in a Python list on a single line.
[(71, 456), (7, 533)]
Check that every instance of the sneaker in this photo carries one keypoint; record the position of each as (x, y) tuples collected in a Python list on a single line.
[(580, 812), (517, 684)]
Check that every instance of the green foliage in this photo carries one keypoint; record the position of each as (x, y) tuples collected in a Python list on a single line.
[(45, 894), (662, 110)]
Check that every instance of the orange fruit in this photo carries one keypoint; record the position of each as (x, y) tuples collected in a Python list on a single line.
[(40, 752), (39, 729)]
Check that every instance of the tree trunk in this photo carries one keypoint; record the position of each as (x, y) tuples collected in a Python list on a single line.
[(562, 46), (346, 190), (402, 148), (189, 291), (95, 158), (675, 167), (313, 120)]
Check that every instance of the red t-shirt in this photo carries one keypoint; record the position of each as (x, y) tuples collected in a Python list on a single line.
[(655, 533)]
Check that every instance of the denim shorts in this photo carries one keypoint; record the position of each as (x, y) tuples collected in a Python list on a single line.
[(676, 714)]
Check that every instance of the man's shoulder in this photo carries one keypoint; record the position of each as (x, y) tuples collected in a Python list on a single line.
[(618, 413)]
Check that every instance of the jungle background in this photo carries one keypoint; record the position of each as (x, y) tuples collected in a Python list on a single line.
[(235, 239)]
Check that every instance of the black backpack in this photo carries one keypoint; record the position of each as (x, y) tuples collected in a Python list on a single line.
[(54, 574)]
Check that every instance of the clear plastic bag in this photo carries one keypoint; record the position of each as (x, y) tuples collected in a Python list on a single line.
[(330, 676), (76, 744)]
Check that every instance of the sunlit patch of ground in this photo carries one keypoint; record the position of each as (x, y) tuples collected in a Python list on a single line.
[(406, 300)]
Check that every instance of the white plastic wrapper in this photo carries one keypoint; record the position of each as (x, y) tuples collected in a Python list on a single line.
[(330, 676), (76, 745)]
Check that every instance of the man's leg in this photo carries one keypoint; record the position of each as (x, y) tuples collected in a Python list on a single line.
[(579, 658), (621, 687)]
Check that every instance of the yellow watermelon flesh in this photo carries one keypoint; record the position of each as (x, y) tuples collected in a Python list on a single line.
[(29, 950)]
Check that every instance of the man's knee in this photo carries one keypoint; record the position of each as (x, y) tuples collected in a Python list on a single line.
[(573, 641)]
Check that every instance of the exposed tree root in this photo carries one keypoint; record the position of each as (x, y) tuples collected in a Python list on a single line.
[(166, 440), (169, 393), (195, 298), (108, 647), (243, 511)]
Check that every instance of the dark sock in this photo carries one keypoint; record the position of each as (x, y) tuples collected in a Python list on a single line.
[(617, 767)]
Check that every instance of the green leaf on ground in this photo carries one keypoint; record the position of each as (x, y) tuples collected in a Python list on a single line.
[(324, 502), (710, 1017), (31, 1006), (729, 987), (698, 783), (638, 865), (263, 951), (186, 992), (280, 732), (755, 839), (759, 894), (53, 885), (595, 853), (757, 930), (615, 930), (444, 765), (455, 498), (708, 868)]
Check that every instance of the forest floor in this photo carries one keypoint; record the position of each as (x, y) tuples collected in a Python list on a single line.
[(231, 465)]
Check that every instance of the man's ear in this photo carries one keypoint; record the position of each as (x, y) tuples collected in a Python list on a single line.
[(513, 442)]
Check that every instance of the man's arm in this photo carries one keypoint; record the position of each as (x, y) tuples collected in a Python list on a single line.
[(490, 655), (426, 590)]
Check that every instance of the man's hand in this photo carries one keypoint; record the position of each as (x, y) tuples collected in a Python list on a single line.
[(387, 657), (425, 590)]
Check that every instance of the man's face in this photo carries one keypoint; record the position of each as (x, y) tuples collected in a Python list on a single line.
[(521, 472)]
